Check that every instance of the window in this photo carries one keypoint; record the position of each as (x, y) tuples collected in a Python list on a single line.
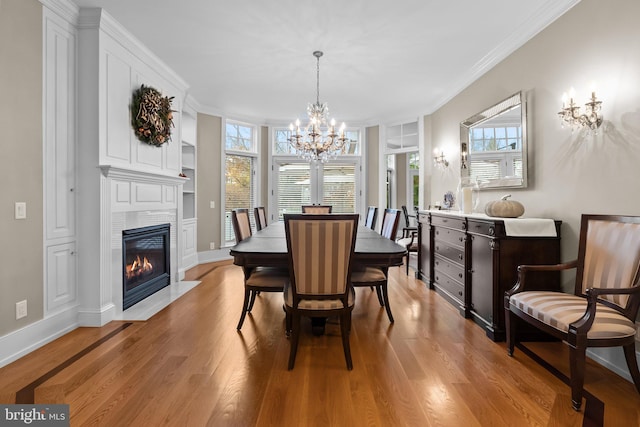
[(301, 183), (496, 152), (413, 198), (297, 182), (281, 145), (239, 175)]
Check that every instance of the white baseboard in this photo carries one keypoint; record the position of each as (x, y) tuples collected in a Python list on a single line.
[(614, 362), (18, 343), (213, 256), (97, 318)]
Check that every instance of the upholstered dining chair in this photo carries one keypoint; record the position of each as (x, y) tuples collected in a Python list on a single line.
[(377, 277), (408, 229), (261, 217), (370, 219), (259, 279), (320, 250), (602, 309), (316, 209)]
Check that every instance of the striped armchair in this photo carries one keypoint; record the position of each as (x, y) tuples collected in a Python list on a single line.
[(602, 310), (320, 250), (377, 277), (258, 279)]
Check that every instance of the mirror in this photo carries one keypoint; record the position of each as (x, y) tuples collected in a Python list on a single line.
[(493, 145)]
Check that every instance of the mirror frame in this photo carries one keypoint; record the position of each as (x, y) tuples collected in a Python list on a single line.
[(491, 112)]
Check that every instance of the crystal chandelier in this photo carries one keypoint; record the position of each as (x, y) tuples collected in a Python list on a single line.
[(319, 140)]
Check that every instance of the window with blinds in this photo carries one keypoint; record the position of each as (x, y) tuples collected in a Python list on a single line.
[(338, 187), (294, 188), (239, 175)]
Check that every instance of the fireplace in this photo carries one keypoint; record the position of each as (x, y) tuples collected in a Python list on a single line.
[(145, 262)]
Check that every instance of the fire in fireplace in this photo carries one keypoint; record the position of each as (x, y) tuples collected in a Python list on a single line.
[(146, 263)]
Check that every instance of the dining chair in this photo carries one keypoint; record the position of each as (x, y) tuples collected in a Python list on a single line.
[(320, 253), (411, 244), (316, 209), (370, 219), (261, 217), (408, 229), (377, 277), (604, 304), (258, 279)]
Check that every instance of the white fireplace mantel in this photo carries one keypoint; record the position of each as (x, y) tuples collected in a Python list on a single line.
[(126, 174)]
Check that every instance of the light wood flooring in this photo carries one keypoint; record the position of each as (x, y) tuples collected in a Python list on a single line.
[(188, 366)]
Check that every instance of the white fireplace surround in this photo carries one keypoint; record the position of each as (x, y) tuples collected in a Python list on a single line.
[(131, 199)]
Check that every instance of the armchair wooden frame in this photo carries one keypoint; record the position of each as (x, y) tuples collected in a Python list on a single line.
[(613, 306)]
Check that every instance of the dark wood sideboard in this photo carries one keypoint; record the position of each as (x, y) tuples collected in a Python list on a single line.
[(471, 262)]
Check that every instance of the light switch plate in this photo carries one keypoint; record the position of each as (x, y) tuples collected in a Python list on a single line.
[(21, 210)]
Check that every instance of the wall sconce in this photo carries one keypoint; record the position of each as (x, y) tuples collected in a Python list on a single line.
[(592, 118), (438, 158)]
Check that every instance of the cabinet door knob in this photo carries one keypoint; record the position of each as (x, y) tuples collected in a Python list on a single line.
[(71, 190)]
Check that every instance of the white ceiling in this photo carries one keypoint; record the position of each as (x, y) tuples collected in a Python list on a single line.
[(383, 60)]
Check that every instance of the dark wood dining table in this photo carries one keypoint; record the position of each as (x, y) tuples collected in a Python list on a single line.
[(268, 248)]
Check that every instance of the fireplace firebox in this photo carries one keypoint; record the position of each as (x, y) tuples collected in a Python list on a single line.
[(146, 263)]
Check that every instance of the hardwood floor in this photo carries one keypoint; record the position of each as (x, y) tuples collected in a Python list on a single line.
[(188, 366)]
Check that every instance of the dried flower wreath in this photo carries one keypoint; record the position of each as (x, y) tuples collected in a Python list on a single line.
[(151, 116)]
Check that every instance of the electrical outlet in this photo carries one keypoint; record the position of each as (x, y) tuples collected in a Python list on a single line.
[(212, 245), (21, 309), (212, 204)]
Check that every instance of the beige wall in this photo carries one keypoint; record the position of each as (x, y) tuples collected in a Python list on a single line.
[(21, 251), (265, 168), (570, 174), (209, 180), (373, 176)]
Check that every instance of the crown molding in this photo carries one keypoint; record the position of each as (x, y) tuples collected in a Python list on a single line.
[(66, 9)]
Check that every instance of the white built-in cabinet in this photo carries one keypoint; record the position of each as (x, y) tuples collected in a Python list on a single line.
[(189, 162), (59, 146)]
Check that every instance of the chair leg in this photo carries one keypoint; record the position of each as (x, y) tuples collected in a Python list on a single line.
[(385, 295), (253, 299), (632, 364), (510, 326), (379, 292), (577, 358), (245, 305), (295, 335), (345, 327), (407, 263), (287, 323)]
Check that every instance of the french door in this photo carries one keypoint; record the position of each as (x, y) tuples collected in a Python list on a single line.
[(297, 183)]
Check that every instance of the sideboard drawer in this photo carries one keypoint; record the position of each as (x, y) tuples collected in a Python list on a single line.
[(451, 269), (450, 236), (481, 227), (452, 287), (454, 253), (451, 222)]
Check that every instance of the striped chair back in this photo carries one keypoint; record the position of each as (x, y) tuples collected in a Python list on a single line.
[(316, 209), (261, 217), (320, 251), (390, 221), (241, 224), (370, 220), (610, 255)]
